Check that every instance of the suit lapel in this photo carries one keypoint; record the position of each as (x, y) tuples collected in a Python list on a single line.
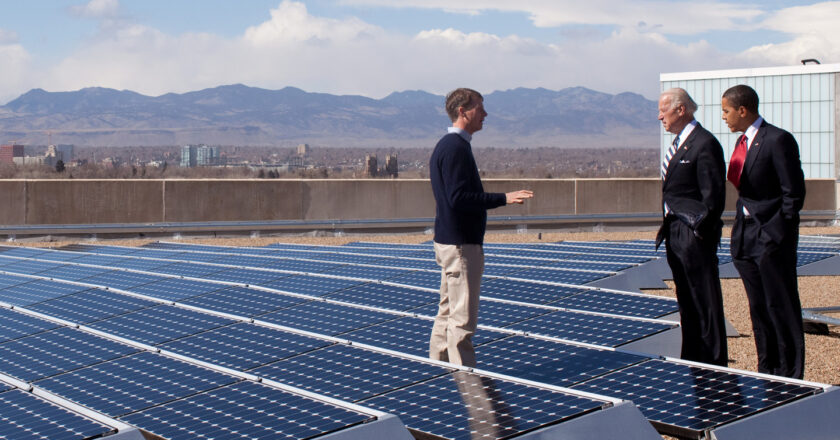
[(755, 148), (679, 155)]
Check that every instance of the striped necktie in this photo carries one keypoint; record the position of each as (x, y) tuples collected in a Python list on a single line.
[(669, 155)]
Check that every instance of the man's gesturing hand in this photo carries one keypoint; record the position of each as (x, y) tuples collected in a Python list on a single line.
[(518, 197)]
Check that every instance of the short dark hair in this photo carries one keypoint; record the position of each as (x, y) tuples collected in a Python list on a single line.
[(742, 96), (461, 97)]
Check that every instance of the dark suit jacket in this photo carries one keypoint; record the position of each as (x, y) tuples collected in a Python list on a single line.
[(694, 186), (772, 183)]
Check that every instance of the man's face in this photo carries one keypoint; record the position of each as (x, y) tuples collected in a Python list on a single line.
[(734, 117), (474, 117), (670, 117)]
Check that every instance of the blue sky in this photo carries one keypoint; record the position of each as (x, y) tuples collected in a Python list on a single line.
[(375, 47)]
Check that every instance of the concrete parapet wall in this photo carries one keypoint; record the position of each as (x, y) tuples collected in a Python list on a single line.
[(68, 202)]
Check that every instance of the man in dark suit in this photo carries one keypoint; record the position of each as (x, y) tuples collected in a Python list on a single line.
[(693, 195), (460, 222), (765, 169)]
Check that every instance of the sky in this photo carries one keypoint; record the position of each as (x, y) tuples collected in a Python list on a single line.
[(376, 47)]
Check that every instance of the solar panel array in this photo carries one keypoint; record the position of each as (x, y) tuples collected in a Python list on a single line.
[(286, 313)]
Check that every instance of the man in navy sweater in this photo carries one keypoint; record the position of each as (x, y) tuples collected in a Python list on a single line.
[(460, 222)]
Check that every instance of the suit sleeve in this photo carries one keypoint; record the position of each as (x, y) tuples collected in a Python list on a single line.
[(711, 180), (791, 179), (458, 178)]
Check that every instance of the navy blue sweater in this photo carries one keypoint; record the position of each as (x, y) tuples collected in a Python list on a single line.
[(462, 204)]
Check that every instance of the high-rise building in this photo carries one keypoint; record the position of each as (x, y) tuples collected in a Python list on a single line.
[(8, 153), (199, 155), (800, 99), (188, 153)]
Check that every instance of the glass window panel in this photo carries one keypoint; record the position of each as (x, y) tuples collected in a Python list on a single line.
[(784, 112), (796, 81), (787, 88), (707, 92), (806, 88), (806, 117), (825, 171), (825, 116), (797, 116), (824, 88), (804, 147), (815, 116), (815, 87), (825, 148), (777, 89), (716, 88)]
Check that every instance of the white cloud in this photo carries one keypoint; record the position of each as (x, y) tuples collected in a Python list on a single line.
[(815, 33), (291, 23), (97, 9), (16, 73)]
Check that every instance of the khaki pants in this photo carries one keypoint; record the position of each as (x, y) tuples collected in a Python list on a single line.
[(460, 282)]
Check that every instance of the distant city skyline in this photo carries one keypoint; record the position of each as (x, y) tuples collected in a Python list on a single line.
[(375, 47)]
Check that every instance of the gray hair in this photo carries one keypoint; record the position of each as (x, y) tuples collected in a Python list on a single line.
[(680, 97)]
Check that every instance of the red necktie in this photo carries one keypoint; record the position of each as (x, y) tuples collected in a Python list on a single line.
[(736, 163)]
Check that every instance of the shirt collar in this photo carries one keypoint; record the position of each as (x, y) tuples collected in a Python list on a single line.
[(687, 131), (752, 130), (461, 132)]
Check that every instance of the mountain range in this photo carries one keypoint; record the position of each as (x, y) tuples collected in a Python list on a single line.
[(242, 115)]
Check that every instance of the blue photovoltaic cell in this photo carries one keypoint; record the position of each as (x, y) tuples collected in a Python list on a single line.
[(642, 306), (22, 252), (98, 249), (312, 285), (14, 325), (30, 267), (153, 253), (466, 406), (72, 272), (133, 383), (325, 318), (57, 256), (550, 362), (54, 352), (349, 373), (175, 289), (524, 291), (557, 275), (137, 264), (409, 335), (420, 278), (384, 296), (243, 346), (91, 305), (493, 313), (242, 301), (367, 272), (332, 257), (120, 279), (192, 270), (8, 280), (246, 411), (592, 329), (159, 324), (248, 276), (684, 397), (102, 261), (24, 416), (37, 291)]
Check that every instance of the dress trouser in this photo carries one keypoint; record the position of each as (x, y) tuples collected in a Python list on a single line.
[(768, 271), (694, 265), (460, 282)]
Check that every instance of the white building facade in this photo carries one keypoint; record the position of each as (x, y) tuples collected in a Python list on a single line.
[(800, 99)]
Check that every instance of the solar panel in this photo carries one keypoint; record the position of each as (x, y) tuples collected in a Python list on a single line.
[(242, 301), (493, 313), (349, 373), (606, 331), (243, 346), (30, 266), (619, 304), (192, 270), (24, 416), (366, 272), (550, 362), (36, 291), (121, 279), (57, 351), (72, 272), (687, 400), (557, 275), (159, 324), (246, 411), (325, 318), (133, 383), (137, 264), (175, 289), (20, 251), (465, 406), (91, 305), (8, 280), (384, 296), (312, 285), (524, 291), (14, 325), (409, 335), (248, 276)]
